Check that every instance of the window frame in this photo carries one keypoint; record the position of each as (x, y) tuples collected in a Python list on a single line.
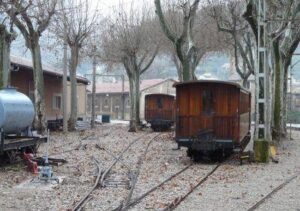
[(54, 101)]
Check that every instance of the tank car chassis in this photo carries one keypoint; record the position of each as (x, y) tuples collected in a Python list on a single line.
[(11, 145)]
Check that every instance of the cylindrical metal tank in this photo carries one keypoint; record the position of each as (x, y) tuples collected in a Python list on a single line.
[(16, 111)]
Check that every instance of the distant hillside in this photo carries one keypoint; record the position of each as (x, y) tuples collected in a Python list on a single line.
[(162, 67)]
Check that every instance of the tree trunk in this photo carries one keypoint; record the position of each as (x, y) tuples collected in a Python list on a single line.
[(277, 94), (137, 93), (73, 68), (284, 105), (186, 72), (178, 67), (5, 41), (40, 111), (133, 73), (133, 82), (245, 84)]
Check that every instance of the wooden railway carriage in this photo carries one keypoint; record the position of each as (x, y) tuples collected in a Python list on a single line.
[(159, 111), (212, 117)]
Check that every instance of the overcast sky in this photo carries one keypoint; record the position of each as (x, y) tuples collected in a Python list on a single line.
[(108, 6)]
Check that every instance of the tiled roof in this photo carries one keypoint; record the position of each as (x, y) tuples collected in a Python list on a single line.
[(47, 68), (117, 87)]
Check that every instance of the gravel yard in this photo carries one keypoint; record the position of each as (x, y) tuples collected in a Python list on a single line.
[(231, 187)]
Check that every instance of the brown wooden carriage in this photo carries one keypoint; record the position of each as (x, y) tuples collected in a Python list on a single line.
[(212, 117), (159, 111)]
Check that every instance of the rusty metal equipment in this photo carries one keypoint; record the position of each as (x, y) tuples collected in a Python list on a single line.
[(31, 165), (45, 171)]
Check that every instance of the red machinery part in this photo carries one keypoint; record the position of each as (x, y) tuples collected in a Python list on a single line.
[(32, 165)]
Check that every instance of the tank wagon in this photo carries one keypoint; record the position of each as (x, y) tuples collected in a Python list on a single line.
[(212, 118), (16, 117), (159, 111)]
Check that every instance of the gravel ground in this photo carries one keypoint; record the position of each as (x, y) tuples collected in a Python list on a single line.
[(235, 187), (231, 187)]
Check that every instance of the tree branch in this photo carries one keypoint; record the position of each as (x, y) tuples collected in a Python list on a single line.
[(162, 21), (150, 61)]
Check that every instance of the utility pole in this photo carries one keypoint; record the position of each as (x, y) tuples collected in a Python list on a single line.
[(123, 97), (65, 67), (94, 87), (291, 93), (262, 136)]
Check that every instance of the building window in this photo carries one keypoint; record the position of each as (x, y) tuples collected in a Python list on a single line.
[(207, 102), (297, 102), (106, 102), (57, 101)]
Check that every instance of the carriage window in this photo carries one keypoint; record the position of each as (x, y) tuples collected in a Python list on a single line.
[(207, 102), (159, 102)]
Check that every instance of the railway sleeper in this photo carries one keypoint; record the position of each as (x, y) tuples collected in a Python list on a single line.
[(117, 183)]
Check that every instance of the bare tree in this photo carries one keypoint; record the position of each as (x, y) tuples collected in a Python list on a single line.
[(283, 39), (90, 51), (6, 37), (75, 22), (207, 38), (32, 18), (182, 37), (130, 40), (228, 18)]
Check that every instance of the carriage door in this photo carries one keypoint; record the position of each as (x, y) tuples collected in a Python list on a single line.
[(207, 109), (159, 105)]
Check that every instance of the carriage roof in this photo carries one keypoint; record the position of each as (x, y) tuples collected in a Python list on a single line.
[(237, 85)]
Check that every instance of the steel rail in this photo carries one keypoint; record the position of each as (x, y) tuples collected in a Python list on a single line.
[(141, 197), (87, 197), (139, 165), (81, 203), (104, 175), (260, 202), (177, 201)]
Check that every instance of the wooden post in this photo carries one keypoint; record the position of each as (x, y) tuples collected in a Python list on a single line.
[(94, 87), (65, 67)]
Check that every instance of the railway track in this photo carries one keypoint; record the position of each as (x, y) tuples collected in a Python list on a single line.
[(103, 174), (86, 197), (177, 201), (80, 145), (172, 205), (270, 194)]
